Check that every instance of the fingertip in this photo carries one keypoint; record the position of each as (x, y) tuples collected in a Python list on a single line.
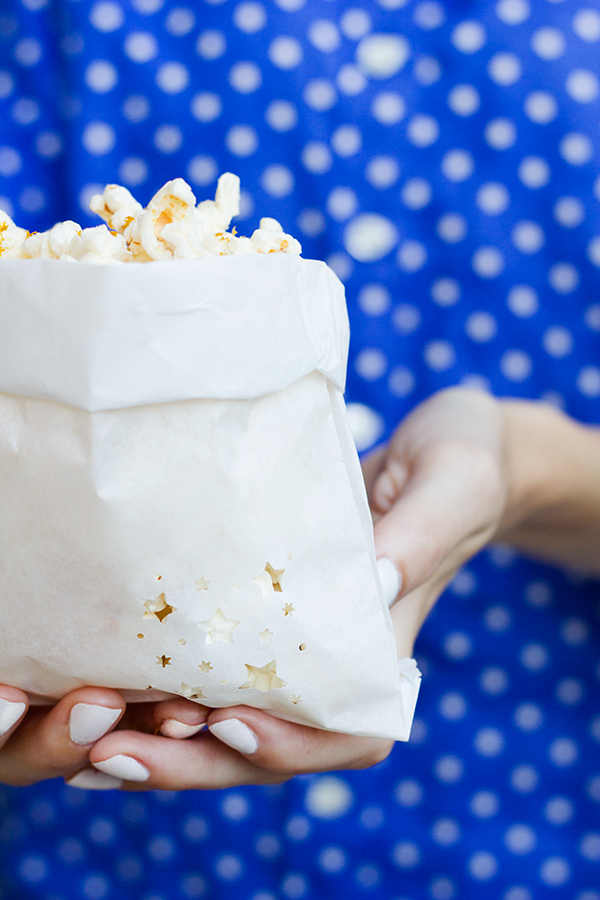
[(13, 706), (391, 579), (236, 734)]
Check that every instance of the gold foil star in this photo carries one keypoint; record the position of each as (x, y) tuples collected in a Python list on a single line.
[(295, 698), (192, 693), (265, 635), (202, 584), (219, 628), (158, 609), (163, 660), (263, 678), (275, 576), (288, 609), (205, 666)]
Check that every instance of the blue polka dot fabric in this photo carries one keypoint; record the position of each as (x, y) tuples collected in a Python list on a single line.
[(443, 158)]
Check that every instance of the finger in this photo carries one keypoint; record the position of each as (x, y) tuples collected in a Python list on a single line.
[(176, 718), (13, 706), (56, 742)]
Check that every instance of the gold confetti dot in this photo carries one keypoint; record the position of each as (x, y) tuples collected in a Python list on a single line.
[(140, 635), (224, 681), (302, 647), (181, 642), (158, 577)]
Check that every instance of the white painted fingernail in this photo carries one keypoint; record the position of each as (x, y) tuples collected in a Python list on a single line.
[(173, 728), (88, 723), (391, 579), (235, 734), (10, 712), (124, 767), (92, 780)]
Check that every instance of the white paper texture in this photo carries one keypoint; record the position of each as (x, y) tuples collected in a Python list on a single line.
[(118, 466)]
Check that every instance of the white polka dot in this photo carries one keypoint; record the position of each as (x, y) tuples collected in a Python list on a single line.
[(574, 632), (468, 36), (147, 7), (582, 85), (416, 193), (427, 70), (106, 16), (463, 584), (492, 198), (576, 148), (293, 886), (422, 130), (500, 134), (488, 262), (298, 828), (229, 867), (290, 5), (452, 707), (411, 256), (328, 797), (281, 115), (457, 644), (180, 21), (392, 4), (516, 365), (374, 299), (528, 237), (342, 203), (408, 793), (481, 327), (563, 277), (136, 108), (370, 237), (388, 108), (99, 138), (589, 846), (10, 162), (332, 859), (482, 865), (202, 170), (504, 68), (355, 23), (133, 171), (534, 657), (172, 77), (235, 807), (555, 871), (442, 889), (245, 77), (35, 5), (7, 84), (72, 44), (48, 144), (445, 291), (593, 251), (524, 778), (429, 15), (559, 810), (317, 157), (28, 52), (586, 25), (311, 222), (406, 318), (141, 47), (484, 804), (85, 195), (523, 301), (371, 364), (161, 848), (382, 172), (541, 107), (569, 211), (324, 35), (538, 594), (285, 52), (241, 140), (595, 728), (25, 111), (168, 138), (497, 619), (372, 817), (548, 43), (592, 317), (406, 855), (341, 265), (528, 717), (457, 165), (350, 80), (440, 356), (250, 17), (588, 381), (489, 742), (452, 228), (464, 100), (346, 140), (401, 382), (501, 555), (557, 342), (569, 691), (320, 94), (381, 55), (448, 769), (493, 681), (513, 12), (534, 172), (520, 839)]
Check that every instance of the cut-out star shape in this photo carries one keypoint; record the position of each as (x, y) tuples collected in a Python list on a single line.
[(192, 693), (265, 635), (295, 698), (202, 584), (219, 628), (288, 609), (163, 660), (263, 678), (269, 580), (205, 666), (275, 575), (158, 609)]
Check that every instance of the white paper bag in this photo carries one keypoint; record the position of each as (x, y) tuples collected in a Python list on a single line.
[(181, 504)]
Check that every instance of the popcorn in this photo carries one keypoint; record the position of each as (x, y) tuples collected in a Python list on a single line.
[(172, 226)]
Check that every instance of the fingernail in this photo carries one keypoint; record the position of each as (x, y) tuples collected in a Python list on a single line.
[(173, 728), (10, 712), (92, 780), (391, 579), (124, 767), (235, 734), (88, 723)]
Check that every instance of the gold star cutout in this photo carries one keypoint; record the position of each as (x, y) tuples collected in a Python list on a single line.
[(275, 576), (163, 660), (265, 583), (202, 584), (158, 609), (192, 693), (219, 628), (295, 698), (263, 678), (288, 609), (205, 666), (265, 635)]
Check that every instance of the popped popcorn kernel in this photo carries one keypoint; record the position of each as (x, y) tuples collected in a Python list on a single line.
[(11, 238)]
